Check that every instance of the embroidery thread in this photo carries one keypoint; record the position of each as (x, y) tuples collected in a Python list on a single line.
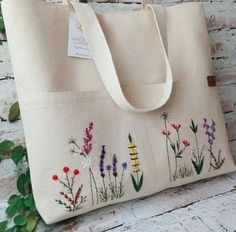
[(114, 188), (177, 146), (198, 157), (72, 200), (88, 161), (210, 129), (136, 179)]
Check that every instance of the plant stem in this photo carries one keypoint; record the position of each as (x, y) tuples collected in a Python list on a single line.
[(210, 150), (91, 187), (198, 153), (167, 150), (96, 189)]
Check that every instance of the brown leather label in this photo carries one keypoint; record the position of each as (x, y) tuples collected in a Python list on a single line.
[(211, 80)]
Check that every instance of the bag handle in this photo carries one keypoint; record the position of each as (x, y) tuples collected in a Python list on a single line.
[(104, 63)]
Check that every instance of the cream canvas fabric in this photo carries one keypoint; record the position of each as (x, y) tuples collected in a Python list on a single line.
[(127, 124)]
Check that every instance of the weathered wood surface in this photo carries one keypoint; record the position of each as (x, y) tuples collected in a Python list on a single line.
[(204, 206)]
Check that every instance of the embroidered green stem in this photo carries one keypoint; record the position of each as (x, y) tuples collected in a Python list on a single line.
[(167, 151)]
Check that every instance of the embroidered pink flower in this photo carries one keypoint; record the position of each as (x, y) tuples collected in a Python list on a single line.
[(167, 133), (66, 169), (55, 177), (176, 126), (76, 172), (186, 142), (87, 146)]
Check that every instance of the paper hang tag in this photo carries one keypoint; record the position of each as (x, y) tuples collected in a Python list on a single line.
[(77, 43)]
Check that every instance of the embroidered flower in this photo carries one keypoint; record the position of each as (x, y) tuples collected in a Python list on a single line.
[(55, 177), (166, 132), (186, 142), (102, 157), (124, 165), (88, 162), (108, 167), (76, 172), (114, 165), (66, 169), (87, 139), (176, 126)]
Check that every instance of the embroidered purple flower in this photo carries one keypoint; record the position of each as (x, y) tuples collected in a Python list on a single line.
[(102, 157), (114, 165), (124, 165), (87, 146), (210, 130), (108, 167)]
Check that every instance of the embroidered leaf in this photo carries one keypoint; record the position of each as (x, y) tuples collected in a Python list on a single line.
[(198, 167), (193, 127), (177, 143), (136, 187), (173, 147), (130, 138), (140, 181)]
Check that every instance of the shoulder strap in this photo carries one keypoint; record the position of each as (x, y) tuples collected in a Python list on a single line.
[(104, 63)]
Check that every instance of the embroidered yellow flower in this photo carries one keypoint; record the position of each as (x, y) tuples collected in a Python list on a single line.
[(133, 152)]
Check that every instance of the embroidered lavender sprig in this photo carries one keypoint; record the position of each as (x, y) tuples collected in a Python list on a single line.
[(102, 157), (87, 146), (210, 130), (114, 165)]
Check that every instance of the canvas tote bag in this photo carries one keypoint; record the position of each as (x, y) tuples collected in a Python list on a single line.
[(138, 118)]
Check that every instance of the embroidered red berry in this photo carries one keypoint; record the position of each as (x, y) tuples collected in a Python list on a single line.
[(76, 172), (55, 177), (66, 169)]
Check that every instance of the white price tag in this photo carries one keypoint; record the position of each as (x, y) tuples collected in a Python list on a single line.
[(77, 43)]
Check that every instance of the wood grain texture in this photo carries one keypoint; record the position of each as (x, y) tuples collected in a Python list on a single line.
[(208, 205)]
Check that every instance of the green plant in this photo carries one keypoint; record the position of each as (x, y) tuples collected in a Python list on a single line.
[(2, 26), (21, 206), (14, 112), (198, 157)]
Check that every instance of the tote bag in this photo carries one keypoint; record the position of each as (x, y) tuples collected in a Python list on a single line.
[(137, 118)]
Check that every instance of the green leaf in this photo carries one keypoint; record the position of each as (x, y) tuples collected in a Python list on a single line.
[(21, 207), (12, 229), (13, 199), (195, 166), (31, 224), (14, 112), (140, 181), (29, 202), (134, 183), (17, 154), (130, 138), (20, 220), (21, 184), (173, 147), (5, 145), (11, 210), (198, 167), (3, 225), (177, 143)]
